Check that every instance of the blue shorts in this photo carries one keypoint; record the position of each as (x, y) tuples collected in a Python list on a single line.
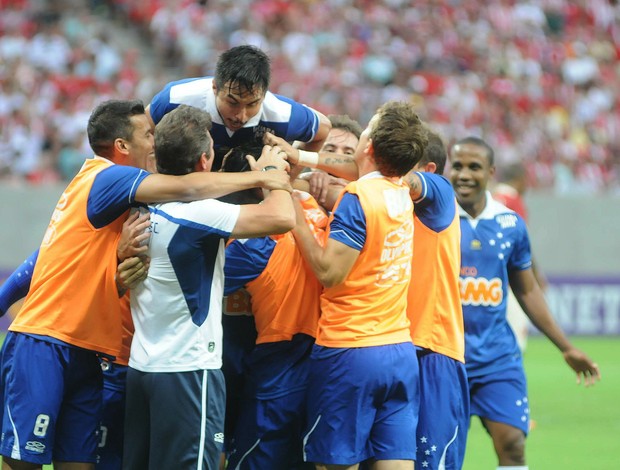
[(362, 403), (444, 412), (269, 434), (110, 449), (174, 419), (501, 397), (52, 401)]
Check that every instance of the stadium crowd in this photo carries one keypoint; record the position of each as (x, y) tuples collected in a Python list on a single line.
[(537, 80)]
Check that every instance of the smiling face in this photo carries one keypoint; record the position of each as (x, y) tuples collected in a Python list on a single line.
[(470, 172), (237, 105), (141, 147)]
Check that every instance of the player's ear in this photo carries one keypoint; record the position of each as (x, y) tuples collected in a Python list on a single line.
[(120, 145)]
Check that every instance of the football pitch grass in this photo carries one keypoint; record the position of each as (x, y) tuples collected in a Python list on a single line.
[(575, 427)]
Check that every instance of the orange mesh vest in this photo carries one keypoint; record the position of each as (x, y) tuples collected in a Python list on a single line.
[(285, 297), (369, 307), (434, 300), (73, 295)]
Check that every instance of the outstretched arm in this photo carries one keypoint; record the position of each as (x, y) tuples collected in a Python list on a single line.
[(533, 303)]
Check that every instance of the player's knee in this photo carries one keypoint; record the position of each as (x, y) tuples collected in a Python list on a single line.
[(511, 448)]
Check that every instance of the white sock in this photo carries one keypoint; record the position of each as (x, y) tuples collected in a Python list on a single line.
[(518, 467)]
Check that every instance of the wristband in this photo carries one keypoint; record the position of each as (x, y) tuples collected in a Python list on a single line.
[(270, 167), (309, 159)]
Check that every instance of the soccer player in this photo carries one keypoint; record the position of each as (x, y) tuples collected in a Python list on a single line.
[(363, 404), (285, 305), (175, 388), (342, 139), (71, 315), (495, 252), (239, 101), (435, 313)]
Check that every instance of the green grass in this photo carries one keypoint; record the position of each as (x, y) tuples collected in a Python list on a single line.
[(575, 427)]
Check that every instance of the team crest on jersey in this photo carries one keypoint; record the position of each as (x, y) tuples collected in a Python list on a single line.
[(507, 220), (475, 245), (478, 291)]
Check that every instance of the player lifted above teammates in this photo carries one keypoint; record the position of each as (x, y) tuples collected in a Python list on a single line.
[(238, 100)]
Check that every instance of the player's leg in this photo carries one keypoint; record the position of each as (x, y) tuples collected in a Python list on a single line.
[(397, 398), (113, 418), (444, 412), (52, 412), (341, 387), (500, 400), (187, 419), (137, 430), (508, 441)]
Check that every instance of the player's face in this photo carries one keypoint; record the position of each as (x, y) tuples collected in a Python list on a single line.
[(341, 142), (141, 146), (470, 172), (237, 106)]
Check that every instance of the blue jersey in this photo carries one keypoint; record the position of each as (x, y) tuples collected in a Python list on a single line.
[(492, 245), (284, 117)]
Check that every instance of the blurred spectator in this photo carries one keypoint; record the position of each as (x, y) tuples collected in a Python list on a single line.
[(537, 79)]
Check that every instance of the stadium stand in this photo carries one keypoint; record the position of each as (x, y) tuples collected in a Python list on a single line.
[(537, 80)]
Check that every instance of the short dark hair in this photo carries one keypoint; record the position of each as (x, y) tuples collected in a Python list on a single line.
[(398, 138), (247, 67), (181, 137), (473, 140), (235, 161), (435, 151), (109, 121), (344, 122)]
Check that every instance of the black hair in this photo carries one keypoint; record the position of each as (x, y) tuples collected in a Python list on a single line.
[(473, 140), (109, 121), (245, 67)]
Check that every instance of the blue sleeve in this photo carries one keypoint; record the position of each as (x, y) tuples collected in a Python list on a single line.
[(521, 257), (160, 104), (436, 206), (303, 123), (17, 284), (349, 223), (112, 193), (245, 261)]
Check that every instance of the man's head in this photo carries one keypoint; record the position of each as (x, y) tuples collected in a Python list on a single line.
[(472, 166), (120, 131), (182, 141), (235, 161), (395, 138), (435, 155), (343, 136), (242, 77), (515, 175)]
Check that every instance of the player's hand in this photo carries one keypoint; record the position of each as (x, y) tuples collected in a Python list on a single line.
[(292, 154), (587, 370), (320, 182), (134, 236), (131, 272), (271, 156)]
